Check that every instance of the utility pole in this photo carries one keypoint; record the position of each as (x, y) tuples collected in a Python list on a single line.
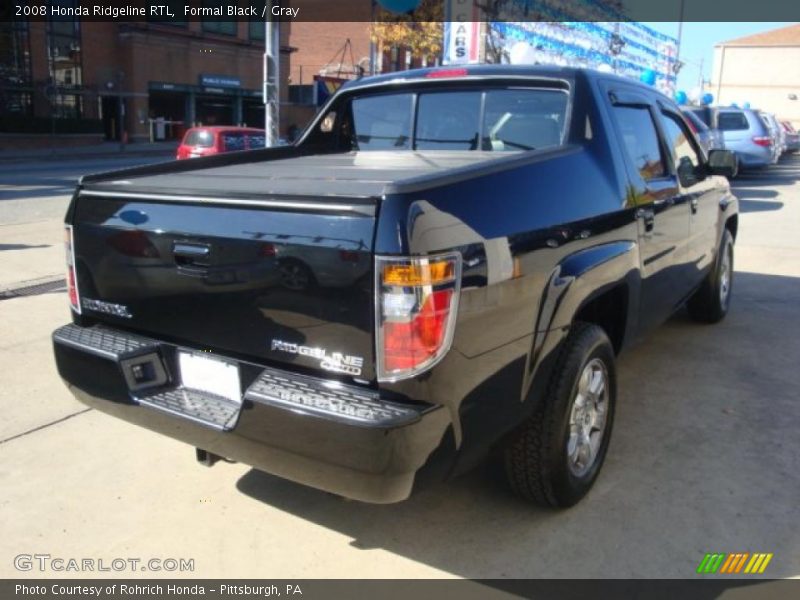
[(271, 88)]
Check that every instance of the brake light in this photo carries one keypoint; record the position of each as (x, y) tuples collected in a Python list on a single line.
[(447, 73), (416, 307), (72, 276), (762, 141)]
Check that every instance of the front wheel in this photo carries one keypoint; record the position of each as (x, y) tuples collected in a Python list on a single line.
[(554, 458), (710, 303)]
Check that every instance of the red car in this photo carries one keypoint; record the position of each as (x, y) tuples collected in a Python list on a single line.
[(204, 141)]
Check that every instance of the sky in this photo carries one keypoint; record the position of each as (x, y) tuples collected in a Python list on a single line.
[(697, 44)]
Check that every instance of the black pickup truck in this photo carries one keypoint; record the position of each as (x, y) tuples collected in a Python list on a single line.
[(442, 268)]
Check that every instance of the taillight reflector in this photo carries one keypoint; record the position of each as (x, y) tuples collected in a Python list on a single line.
[(762, 141), (416, 307)]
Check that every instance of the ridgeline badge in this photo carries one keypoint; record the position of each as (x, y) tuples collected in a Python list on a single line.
[(335, 361)]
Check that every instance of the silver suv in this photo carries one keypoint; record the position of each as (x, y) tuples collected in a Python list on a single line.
[(746, 134)]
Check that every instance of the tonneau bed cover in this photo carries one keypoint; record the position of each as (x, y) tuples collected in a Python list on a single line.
[(351, 175)]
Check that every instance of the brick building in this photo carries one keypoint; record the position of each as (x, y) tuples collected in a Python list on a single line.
[(87, 81), (130, 75)]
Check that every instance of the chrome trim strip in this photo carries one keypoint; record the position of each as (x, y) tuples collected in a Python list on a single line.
[(310, 206)]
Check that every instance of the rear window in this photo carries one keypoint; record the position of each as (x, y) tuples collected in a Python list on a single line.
[(200, 139), (233, 141), (256, 140), (732, 121), (512, 120)]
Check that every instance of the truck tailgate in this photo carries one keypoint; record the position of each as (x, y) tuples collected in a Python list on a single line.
[(274, 281)]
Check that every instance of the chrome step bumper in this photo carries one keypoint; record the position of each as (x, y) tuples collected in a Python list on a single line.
[(301, 394)]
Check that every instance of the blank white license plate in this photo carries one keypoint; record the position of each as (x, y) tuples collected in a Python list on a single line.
[(210, 375)]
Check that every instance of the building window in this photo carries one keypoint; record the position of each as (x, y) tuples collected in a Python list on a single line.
[(15, 68), (64, 59), (257, 30), (220, 27), (256, 24)]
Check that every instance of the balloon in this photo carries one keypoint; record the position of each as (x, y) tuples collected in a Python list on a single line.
[(681, 97), (734, 105), (707, 98), (522, 53), (648, 76), (399, 6), (695, 93), (605, 68), (746, 105)]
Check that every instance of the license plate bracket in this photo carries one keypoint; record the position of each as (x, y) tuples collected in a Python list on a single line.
[(210, 374)]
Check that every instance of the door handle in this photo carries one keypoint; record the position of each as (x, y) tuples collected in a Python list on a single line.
[(191, 256), (648, 216)]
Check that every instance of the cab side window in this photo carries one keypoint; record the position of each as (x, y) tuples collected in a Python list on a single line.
[(641, 140), (685, 155)]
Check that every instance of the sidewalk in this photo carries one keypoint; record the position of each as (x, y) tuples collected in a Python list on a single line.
[(104, 150)]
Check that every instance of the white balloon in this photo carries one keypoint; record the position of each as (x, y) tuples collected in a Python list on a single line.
[(605, 68), (522, 53), (695, 94)]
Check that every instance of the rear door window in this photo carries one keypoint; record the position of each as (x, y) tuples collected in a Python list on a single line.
[(732, 121), (641, 140)]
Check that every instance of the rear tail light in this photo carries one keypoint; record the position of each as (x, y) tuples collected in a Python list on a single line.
[(762, 141), (416, 307), (72, 275)]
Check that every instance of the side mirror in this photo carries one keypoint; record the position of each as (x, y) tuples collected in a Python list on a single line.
[(722, 162)]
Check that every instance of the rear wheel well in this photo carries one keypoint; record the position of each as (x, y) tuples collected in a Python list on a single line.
[(608, 310)]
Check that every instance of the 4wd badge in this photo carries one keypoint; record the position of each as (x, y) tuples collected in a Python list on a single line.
[(335, 361)]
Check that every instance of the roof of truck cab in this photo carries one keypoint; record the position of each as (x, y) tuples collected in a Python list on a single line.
[(454, 73)]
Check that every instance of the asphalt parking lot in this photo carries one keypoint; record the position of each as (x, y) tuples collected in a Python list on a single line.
[(703, 459)]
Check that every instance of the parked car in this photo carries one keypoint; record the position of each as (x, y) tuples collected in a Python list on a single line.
[(776, 132), (792, 137), (509, 230), (704, 113), (746, 134), (205, 141), (708, 138)]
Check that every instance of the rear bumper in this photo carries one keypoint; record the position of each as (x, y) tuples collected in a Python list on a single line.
[(344, 439)]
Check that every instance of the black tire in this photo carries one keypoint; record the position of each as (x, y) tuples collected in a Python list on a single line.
[(537, 459), (710, 304)]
